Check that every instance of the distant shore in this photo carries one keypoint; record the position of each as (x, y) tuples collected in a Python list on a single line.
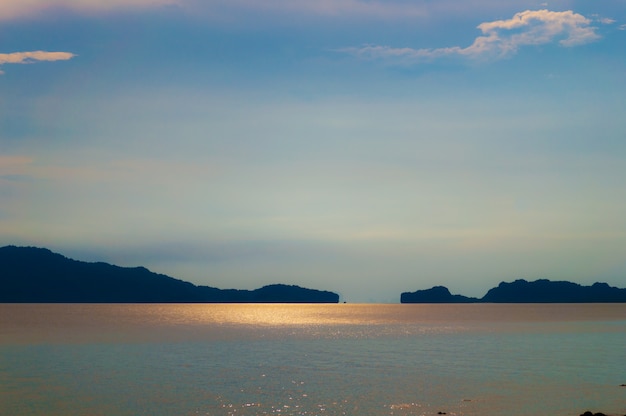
[(37, 275), (522, 291)]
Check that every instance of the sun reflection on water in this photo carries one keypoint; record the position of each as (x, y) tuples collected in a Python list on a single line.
[(62, 323), (311, 359)]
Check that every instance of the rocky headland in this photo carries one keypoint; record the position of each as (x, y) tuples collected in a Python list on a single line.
[(37, 275)]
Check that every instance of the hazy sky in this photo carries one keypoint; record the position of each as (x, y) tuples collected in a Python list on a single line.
[(364, 147)]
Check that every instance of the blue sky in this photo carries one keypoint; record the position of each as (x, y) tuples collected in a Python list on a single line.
[(363, 147)]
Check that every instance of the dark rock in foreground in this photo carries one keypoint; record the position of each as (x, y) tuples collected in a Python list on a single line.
[(437, 294), (521, 291), (29, 274)]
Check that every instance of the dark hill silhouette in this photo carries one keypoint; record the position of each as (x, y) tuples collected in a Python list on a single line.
[(521, 291), (437, 294), (30, 274), (546, 291)]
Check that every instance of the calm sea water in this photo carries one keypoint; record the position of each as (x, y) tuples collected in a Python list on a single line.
[(157, 359)]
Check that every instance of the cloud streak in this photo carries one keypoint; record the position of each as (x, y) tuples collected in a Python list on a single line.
[(14, 9), (35, 56), (333, 8), (32, 57), (500, 38)]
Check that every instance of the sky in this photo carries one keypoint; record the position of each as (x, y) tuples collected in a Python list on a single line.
[(364, 147)]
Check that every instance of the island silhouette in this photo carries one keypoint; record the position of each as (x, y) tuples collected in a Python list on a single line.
[(37, 275), (522, 291)]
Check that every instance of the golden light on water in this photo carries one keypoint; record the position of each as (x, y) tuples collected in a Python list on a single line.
[(250, 359), (62, 323)]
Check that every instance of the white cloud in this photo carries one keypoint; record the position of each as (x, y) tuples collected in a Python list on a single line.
[(34, 56), (501, 38), (30, 57)]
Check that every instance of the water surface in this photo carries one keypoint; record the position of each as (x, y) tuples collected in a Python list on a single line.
[(252, 359)]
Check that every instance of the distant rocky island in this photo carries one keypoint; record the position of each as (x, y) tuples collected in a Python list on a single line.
[(36, 275), (31, 274), (522, 291)]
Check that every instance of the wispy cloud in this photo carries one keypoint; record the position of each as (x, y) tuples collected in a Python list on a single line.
[(13, 164), (32, 57), (379, 9), (606, 20), (500, 39), (12, 9)]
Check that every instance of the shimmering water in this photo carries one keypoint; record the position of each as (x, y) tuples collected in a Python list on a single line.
[(215, 359)]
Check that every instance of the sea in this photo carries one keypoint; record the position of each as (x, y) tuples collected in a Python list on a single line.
[(312, 359)]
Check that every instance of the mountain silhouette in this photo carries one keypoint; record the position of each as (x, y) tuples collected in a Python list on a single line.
[(522, 291), (31, 274), (436, 294), (543, 290)]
